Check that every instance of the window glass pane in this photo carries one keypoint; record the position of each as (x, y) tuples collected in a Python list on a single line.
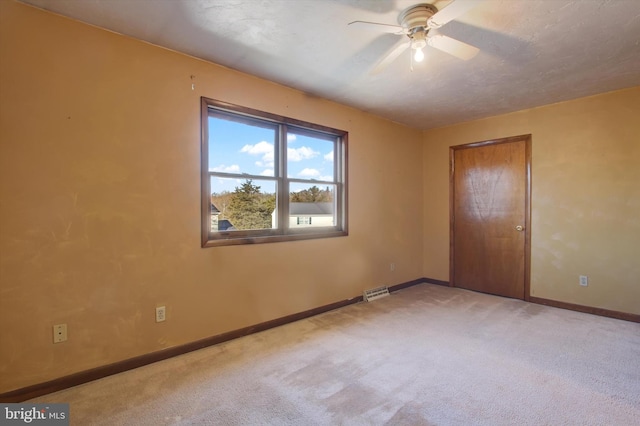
[(241, 147), (311, 205), (242, 204), (309, 157)]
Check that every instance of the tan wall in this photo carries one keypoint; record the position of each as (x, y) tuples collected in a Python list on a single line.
[(585, 197), (100, 202)]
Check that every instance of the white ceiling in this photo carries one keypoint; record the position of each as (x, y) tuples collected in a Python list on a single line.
[(533, 52)]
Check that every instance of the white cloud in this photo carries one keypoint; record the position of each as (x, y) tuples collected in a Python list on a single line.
[(329, 156), (267, 172), (329, 178), (291, 137), (259, 148), (309, 173), (234, 168), (302, 153), (263, 148)]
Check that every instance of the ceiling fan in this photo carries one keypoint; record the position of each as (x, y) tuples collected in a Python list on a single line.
[(416, 22)]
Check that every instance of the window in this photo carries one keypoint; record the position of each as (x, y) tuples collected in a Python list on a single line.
[(267, 178), (303, 221)]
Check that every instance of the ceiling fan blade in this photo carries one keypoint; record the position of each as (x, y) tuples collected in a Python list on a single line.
[(451, 12), (391, 56), (375, 26), (453, 47)]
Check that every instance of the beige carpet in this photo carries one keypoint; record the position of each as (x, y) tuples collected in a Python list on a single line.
[(427, 355)]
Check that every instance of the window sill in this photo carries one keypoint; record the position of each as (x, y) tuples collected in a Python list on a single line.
[(297, 236)]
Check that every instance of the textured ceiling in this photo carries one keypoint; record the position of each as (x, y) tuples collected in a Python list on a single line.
[(533, 52)]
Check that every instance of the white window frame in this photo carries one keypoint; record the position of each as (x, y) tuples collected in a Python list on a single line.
[(283, 232)]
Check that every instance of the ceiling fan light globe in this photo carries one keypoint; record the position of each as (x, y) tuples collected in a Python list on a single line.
[(418, 56), (418, 44)]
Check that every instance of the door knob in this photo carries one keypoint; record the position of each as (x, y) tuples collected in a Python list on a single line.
[(519, 228)]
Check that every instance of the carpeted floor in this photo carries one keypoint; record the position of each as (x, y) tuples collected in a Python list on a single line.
[(426, 355)]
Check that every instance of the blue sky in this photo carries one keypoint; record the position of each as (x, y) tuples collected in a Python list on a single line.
[(240, 148)]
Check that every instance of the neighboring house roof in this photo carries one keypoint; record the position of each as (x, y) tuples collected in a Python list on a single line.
[(225, 225), (214, 209), (310, 209)]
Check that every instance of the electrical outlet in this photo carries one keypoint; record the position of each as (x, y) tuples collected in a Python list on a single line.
[(161, 314), (392, 267), (59, 333), (584, 280)]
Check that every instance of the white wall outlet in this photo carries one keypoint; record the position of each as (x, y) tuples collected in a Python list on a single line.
[(392, 267), (584, 280), (161, 314), (59, 333)]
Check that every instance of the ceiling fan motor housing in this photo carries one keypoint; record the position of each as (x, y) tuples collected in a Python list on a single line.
[(415, 18)]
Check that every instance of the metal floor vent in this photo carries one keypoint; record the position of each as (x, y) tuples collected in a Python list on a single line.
[(375, 293)]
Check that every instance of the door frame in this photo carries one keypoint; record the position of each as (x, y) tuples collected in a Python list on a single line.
[(527, 207)]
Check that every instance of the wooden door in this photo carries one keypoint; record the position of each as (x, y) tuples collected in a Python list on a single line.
[(490, 187)]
